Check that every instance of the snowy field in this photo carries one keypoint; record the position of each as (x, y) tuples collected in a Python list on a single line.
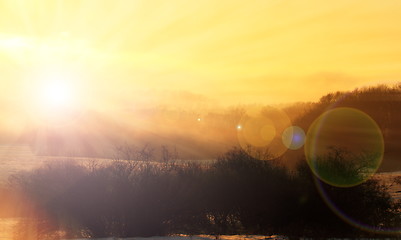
[(201, 237), (7, 224), (395, 190)]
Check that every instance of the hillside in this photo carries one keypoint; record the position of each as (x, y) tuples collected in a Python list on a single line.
[(381, 103)]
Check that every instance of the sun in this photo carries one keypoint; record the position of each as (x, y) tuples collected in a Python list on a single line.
[(57, 99), (56, 93)]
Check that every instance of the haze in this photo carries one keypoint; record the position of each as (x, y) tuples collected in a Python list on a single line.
[(227, 51), (61, 58)]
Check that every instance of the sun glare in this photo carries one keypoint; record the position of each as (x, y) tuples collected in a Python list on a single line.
[(56, 93), (58, 100)]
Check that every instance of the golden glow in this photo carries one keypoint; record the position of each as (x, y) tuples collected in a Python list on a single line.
[(230, 51), (81, 75), (57, 94), (54, 92), (193, 53)]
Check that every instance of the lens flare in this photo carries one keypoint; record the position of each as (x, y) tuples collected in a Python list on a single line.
[(342, 137), (350, 218), (261, 130), (293, 137)]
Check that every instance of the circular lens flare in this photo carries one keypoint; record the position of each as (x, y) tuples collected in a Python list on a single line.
[(259, 132), (293, 137), (344, 147), (332, 201)]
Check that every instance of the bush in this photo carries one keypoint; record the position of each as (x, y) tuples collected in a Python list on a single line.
[(237, 194)]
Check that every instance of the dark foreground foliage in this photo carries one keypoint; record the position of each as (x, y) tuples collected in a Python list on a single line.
[(234, 195)]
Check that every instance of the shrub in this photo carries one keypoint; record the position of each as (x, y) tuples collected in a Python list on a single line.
[(237, 194)]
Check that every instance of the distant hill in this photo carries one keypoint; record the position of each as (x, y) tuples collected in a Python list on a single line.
[(199, 134), (382, 103)]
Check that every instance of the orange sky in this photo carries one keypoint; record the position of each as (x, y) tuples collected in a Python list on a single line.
[(116, 53)]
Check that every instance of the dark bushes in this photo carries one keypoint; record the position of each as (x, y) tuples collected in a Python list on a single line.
[(234, 195)]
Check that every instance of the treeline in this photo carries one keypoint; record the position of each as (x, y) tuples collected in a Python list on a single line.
[(237, 194), (382, 103), (206, 133)]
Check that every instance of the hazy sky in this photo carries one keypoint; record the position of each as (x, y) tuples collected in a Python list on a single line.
[(108, 53)]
